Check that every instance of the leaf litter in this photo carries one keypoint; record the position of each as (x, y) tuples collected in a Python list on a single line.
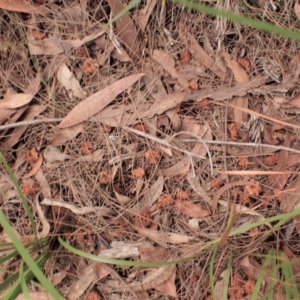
[(141, 160)]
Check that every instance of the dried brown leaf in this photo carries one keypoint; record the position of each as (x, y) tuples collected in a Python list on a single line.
[(190, 209), (67, 79), (31, 112), (23, 6), (15, 100), (168, 64), (128, 33), (198, 53), (96, 102), (35, 167), (153, 279), (189, 124), (163, 236), (36, 296), (66, 134), (167, 102), (144, 14), (86, 277), (5, 114), (168, 288), (239, 73), (297, 9), (52, 154)]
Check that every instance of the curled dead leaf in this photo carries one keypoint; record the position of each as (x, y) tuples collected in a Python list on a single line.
[(35, 167), (190, 209)]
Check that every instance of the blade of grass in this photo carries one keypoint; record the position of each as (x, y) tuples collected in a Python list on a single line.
[(23, 283), (241, 19), (255, 294), (16, 289), (211, 272), (19, 190), (27, 258), (227, 278)]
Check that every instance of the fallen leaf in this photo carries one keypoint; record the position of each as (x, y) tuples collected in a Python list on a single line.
[(168, 288), (86, 277), (204, 132), (198, 53), (163, 104), (189, 209), (144, 14), (120, 249), (163, 236), (23, 6), (168, 64), (36, 296), (30, 113), (251, 268), (197, 188), (153, 254), (35, 167), (239, 116), (54, 46), (128, 33), (153, 279), (5, 114), (150, 196), (291, 197), (15, 100), (120, 54), (58, 277), (52, 154), (220, 285), (96, 156), (66, 134), (96, 102), (67, 79), (297, 9), (143, 219), (239, 73)]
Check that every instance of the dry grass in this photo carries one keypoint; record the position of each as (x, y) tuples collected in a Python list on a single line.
[(97, 183)]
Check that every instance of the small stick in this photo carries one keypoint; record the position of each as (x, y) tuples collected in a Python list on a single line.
[(160, 141), (31, 122), (240, 144)]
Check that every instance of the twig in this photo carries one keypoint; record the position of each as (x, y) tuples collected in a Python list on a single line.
[(31, 122), (201, 141), (162, 142), (240, 144)]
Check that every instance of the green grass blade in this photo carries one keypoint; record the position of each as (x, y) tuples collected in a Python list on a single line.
[(24, 283), (28, 259), (241, 19), (18, 188), (16, 289), (211, 272), (260, 278), (227, 278)]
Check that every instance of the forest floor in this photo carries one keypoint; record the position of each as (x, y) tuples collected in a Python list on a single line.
[(152, 139)]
